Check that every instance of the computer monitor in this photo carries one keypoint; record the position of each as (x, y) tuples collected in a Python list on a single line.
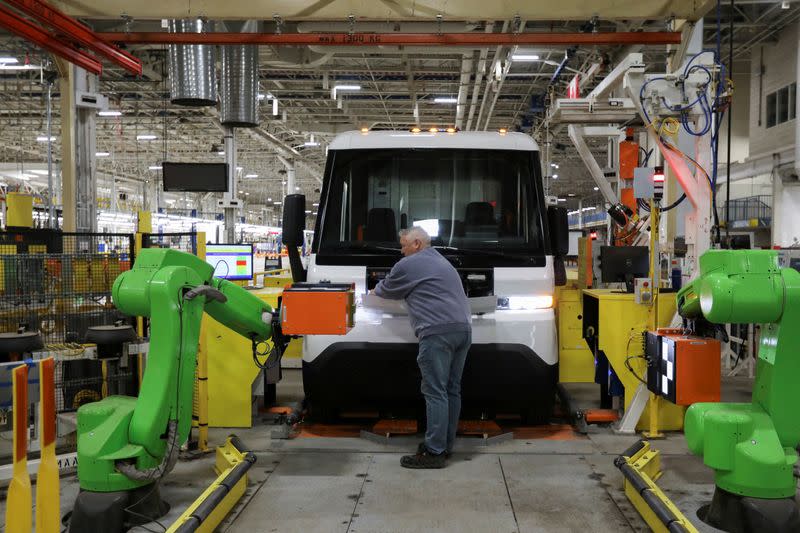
[(194, 177), (623, 264), (231, 261)]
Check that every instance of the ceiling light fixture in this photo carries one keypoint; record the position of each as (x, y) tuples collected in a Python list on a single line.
[(146, 137), (445, 100), (44, 138), (251, 175), (109, 113), (101, 154), (5, 66), (154, 167), (525, 57)]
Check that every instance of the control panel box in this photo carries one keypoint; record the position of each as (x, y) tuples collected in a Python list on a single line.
[(318, 309), (684, 369)]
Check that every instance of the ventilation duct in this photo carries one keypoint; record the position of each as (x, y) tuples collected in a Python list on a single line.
[(239, 83), (193, 80)]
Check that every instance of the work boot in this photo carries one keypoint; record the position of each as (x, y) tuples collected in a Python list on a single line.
[(421, 448), (423, 459)]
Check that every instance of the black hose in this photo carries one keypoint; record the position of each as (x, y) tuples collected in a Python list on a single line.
[(675, 203)]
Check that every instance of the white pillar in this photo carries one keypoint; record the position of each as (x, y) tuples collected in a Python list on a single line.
[(230, 160)]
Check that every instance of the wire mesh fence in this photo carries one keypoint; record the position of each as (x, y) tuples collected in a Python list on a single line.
[(60, 283), (185, 242), (81, 381)]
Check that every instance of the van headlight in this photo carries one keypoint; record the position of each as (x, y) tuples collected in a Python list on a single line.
[(519, 303)]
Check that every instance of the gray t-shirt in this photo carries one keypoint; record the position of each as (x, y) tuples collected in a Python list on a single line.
[(432, 290)]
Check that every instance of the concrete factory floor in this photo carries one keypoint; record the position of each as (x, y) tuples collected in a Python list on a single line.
[(560, 481)]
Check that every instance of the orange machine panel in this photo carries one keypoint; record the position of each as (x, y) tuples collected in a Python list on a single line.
[(318, 309), (687, 368), (628, 159)]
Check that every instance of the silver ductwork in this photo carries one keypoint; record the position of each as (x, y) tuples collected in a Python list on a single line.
[(239, 83), (192, 76)]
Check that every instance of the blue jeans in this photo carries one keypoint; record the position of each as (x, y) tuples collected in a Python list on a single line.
[(441, 361)]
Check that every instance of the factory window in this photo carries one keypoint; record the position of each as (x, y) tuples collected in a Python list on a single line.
[(781, 105)]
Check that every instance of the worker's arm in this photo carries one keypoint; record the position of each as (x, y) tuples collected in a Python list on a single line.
[(397, 283)]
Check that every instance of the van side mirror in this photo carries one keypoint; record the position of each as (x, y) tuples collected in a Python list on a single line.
[(559, 230), (559, 242), (294, 222), (294, 219)]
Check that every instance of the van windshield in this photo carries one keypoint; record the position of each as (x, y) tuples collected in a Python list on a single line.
[(465, 199)]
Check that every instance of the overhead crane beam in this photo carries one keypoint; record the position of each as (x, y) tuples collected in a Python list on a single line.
[(399, 39), (73, 30)]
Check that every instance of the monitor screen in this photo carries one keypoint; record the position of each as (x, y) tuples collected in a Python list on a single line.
[(231, 261), (624, 263), (195, 177)]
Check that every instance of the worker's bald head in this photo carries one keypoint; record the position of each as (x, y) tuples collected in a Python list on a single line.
[(413, 240)]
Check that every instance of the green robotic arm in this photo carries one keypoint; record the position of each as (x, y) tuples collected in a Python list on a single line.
[(124, 442), (750, 446)]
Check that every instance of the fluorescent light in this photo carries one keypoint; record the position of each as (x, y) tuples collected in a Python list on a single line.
[(445, 100), (314, 213), (269, 199), (109, 113), (555, 176), (553, 165), (276, 203), (297, 188), (562, 199), (315, 205), (347, 87), (154, 167), (221, 152), (147, 137), (19, 67), (308, 212), (101, 154), (525, 57), (597, 188), (44, 139), (238, 168), (310, 143), (7, 60), (274, 107), (261, 96), (247, 194), (571, 194), (251, 175)]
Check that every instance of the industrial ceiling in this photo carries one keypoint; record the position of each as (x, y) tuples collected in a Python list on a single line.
[(477, 88)]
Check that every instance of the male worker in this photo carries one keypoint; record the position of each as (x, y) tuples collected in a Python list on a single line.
[(440, 315)]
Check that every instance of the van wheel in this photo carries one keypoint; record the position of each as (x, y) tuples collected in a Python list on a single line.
[(321, 413), (536, 415)]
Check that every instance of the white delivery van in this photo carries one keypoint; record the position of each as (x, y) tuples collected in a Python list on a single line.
[(479, 195)]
